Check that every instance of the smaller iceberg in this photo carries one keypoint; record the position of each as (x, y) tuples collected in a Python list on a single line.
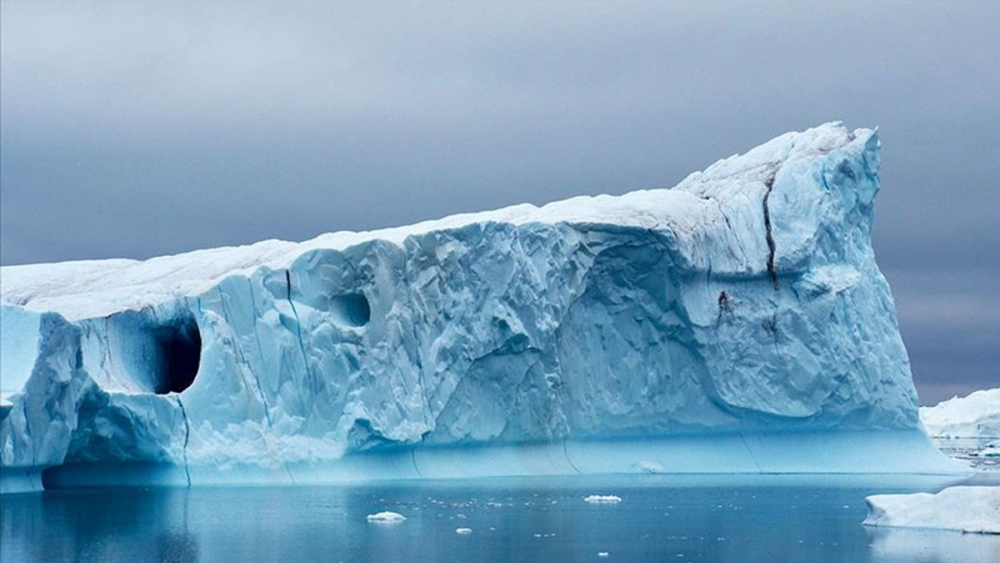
[(963, 509)]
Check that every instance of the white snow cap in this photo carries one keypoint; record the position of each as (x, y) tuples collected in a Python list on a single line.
[(97, 288)]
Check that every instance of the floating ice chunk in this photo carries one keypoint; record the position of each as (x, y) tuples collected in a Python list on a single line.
[(386, 518), (463, 531), (965, 509), (602, 499), (603, 554)]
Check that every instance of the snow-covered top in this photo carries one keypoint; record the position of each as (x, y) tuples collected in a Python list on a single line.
[(964, 509), (974, 416), (88, 289)]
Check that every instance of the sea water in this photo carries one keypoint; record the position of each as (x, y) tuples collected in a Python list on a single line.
[(659, 518)]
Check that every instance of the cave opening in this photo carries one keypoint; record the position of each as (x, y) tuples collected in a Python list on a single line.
[(353, 309), (179, 349)]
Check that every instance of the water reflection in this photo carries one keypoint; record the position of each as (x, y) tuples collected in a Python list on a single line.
[(661, 518), (929, 546), (113, 525)]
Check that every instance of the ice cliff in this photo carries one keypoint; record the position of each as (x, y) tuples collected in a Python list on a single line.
[(734, 323)]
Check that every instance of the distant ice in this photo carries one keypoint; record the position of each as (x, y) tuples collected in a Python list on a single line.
[(463, 531), (646, 466), (974, 416), (386, 518), (967, 428), (965, 509)]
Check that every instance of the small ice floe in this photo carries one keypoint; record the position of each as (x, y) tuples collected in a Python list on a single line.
[(386, 518), (989, 451), (603, 554), (646, 466), (463, 531), (602, 499), (964, 509)]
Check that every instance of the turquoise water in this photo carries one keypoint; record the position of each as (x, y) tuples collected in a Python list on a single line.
[(660, 518)]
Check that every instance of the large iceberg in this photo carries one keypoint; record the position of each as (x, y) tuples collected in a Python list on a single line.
[(735, 323)]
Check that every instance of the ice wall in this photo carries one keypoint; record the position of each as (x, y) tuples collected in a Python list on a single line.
[(743, 302)]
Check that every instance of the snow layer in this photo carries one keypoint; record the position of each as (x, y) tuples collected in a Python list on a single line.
[(740, 314), (965, 509)]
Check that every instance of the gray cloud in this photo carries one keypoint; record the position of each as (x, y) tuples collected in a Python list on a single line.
[(137, 129)]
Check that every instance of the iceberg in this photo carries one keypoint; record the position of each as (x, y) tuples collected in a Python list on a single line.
[(962, 509), (736, 323)]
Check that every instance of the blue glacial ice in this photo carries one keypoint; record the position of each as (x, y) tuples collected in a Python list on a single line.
[(735, 323)]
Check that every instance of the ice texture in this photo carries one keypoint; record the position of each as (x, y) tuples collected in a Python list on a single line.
[(735, 323), (963, 509)]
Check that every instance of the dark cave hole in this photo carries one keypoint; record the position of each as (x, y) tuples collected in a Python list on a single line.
[(179, 346), (354, 308)]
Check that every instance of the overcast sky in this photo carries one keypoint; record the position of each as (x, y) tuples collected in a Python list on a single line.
[(139, 129)]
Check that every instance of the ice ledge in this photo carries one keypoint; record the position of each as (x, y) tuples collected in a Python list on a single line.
[(827, 453)]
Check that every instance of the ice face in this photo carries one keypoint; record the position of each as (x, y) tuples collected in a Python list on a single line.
[(744, 301)]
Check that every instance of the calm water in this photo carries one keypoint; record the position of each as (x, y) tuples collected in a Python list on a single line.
[(661, 518)]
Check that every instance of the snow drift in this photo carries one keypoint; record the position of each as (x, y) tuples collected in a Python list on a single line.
[(735, 323)]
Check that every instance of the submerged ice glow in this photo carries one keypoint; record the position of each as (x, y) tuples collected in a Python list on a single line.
[(735, 323)]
